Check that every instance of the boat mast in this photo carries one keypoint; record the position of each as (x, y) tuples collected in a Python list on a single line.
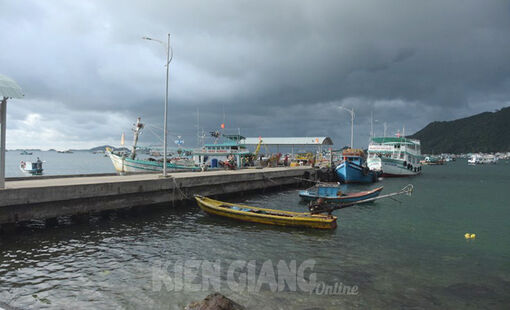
[(136, 131), (372, 124), (198, 127)]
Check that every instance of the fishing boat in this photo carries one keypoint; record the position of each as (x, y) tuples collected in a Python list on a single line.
[(265, 216), (353, 168), (394, 156), (25, 152), (125, 163), (334, 194), (33, 168), (229, 153)]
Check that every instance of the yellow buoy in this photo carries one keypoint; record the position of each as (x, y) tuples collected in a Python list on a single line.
[(467, 236), (473, 236)]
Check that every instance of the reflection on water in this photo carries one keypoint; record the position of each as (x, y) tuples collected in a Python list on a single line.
[(401, 255)]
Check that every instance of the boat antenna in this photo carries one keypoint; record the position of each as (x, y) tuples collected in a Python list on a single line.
[(198, 127)]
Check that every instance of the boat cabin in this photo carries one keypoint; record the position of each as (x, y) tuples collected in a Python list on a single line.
[(213, 153), (355, 156)]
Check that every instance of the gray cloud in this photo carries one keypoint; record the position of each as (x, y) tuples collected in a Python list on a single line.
[(277, 68)]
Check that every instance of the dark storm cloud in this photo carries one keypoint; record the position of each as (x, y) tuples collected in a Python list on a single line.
[(273, 68)]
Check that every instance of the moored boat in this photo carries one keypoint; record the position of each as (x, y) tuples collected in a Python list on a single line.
[(353, 168), (265, 216), (394, 156), (124, 163), (333, 194), (230, 153)]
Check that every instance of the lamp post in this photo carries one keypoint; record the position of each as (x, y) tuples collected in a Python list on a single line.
[(169, 56), (352, 123)]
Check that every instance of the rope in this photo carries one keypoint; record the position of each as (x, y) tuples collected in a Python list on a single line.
[(407, 190), (183, 195), (268, 178)]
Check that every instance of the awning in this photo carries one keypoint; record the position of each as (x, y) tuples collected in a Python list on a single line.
[(9, 88)]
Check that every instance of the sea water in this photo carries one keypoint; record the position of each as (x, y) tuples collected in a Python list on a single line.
[(404, 253)]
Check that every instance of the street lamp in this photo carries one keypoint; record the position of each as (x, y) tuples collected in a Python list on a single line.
[(169, 56), (352, 123)]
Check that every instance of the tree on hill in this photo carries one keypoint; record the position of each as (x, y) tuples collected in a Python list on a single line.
[(484, 132)]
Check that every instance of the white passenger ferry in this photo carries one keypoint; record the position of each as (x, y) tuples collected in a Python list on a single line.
[(394, 156)]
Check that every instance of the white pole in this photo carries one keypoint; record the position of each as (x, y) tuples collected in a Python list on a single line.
[(352, 123), (3, 116), (166, 104), (168, 60), (385, 129)]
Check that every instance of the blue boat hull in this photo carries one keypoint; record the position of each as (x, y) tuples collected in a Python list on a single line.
[(349, 172), (330, 195)]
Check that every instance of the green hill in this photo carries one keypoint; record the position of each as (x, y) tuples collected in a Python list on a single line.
[(484, 132)]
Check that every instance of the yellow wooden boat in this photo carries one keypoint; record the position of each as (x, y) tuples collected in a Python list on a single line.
[(265, 216)]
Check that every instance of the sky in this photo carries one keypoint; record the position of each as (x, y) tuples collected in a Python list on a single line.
[(273, 68)]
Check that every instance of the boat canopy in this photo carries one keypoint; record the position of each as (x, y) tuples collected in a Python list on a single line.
[(234, 137), (394, 140), (353, 152), (289, 141), (224, 144)]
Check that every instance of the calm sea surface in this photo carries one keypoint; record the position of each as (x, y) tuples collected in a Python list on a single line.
[(59, 163), (407, 255)]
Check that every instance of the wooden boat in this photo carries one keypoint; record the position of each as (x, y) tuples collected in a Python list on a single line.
[(333, 194), (265, 216), (130, 163)]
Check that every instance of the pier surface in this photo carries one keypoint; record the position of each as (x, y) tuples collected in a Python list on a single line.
[(50, 197)]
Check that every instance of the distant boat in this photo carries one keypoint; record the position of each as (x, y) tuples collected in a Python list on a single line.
[(25, 153), (431, 160), (34, 168), (353, 168), (394, 156), (333, 194), (474, 160), (66, 152), (478, 159)]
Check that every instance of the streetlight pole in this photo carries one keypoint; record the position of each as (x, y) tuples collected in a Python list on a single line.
[(168, 60), (352, 123)]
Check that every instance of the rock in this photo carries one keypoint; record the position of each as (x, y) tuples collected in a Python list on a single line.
[(214, 301)]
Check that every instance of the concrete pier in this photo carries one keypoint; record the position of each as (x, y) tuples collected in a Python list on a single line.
[(50, 197)]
